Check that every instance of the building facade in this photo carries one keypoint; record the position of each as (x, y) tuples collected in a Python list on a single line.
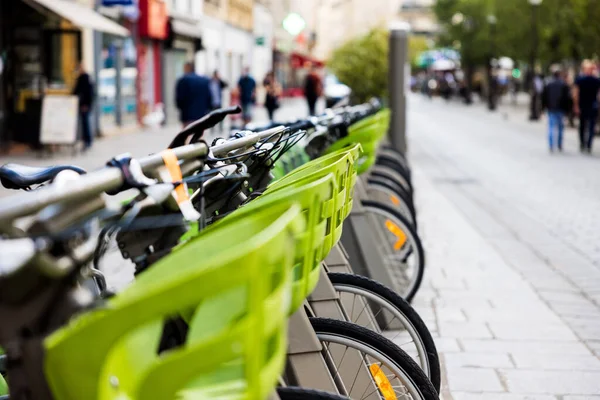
[(42, 42), (419, 14), (183, 45)]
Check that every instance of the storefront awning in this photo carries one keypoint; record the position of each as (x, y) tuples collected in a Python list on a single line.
[(81, 16), (185, 28), (299, 60)]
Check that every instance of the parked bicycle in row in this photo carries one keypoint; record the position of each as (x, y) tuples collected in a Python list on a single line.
[(277, 263)]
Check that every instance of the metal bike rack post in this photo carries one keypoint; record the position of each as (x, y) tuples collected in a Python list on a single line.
[(325, 303), (361, 244), (398, 73), (305, 359)]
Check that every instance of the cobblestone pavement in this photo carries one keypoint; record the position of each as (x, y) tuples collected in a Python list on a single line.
[(512, 235)]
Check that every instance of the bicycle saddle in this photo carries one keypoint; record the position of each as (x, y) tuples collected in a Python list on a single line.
[(18, 176)]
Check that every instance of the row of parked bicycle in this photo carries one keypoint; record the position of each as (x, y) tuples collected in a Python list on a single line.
[(278, 263)]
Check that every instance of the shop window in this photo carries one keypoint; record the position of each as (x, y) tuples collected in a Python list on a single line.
[(63, 53), (128, 79), (119, 61), (107, 84)]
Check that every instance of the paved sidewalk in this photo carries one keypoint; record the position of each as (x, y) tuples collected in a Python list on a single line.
[(512, 285)]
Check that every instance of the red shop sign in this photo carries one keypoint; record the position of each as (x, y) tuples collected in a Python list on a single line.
[(153, 19)]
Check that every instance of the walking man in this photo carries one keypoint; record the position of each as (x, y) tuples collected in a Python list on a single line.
[(192, 96), (247, 89), (313, 88), (84, 90), (556, 100), (585, 96), (216, 90)]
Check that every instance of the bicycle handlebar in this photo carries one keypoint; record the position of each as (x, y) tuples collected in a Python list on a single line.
[(197, 128), (102, 180)]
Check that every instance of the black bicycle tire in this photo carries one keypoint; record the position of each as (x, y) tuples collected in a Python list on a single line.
[(395, 165), (385, 171), (417, 241), (404, 208), (393, 187), (386, 150), (403, 307), (395, 157), (382, 345), (299, 393)]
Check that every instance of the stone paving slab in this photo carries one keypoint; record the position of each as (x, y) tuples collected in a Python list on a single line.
[(512, 299)]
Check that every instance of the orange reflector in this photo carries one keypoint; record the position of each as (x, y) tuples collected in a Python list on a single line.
[(396, 231), (395, 200), (383, 383)]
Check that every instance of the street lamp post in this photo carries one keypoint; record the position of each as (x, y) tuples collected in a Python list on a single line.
[(534, 114), (490, 68), (459, 19)]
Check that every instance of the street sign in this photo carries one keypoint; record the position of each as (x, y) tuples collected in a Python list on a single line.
[(260, 41)]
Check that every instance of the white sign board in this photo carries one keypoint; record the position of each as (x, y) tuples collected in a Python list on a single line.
[(59, 119)]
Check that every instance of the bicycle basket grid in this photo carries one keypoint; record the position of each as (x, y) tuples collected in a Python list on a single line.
[(236, 278)]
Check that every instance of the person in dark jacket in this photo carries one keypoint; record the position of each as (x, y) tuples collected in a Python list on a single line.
[(84, 90), (586, 94), (192, 96), (273, 92), (556, 100), (313, 88), (247, 90)]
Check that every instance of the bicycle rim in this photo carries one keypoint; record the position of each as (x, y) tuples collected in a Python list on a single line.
[(335, 344), (399, 247), (379, 315)]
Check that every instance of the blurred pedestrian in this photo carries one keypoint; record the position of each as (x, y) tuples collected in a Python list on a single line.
[(313, 89), (536, 93), (556, 99), (217, 85), (247, 89), (585, 96), (84, 90), (192, 96), (273, 92)]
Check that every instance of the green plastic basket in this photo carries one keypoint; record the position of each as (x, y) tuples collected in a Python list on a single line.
[(316, 197), (368, 132), (342, 165), (3, 386), (237, 278), (290, 160)]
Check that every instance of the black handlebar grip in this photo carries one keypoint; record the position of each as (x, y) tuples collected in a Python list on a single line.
[(300, 125), (198, 127)]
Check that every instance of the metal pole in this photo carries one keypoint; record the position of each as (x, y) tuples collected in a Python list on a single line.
[(534, 95), (492, 84), (398, 67), (119, 64)]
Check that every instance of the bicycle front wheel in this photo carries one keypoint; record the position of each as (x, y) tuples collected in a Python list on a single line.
[(369, 365), (298, 393), (399, 246), (374, 306)]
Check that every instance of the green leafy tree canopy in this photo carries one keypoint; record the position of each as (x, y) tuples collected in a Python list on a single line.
[(362, 63)]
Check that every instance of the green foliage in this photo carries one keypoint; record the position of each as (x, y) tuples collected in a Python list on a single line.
[(416, 45), (362, 64), (567, 29)]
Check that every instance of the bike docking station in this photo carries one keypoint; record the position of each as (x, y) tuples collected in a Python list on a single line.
[(277, 263)]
